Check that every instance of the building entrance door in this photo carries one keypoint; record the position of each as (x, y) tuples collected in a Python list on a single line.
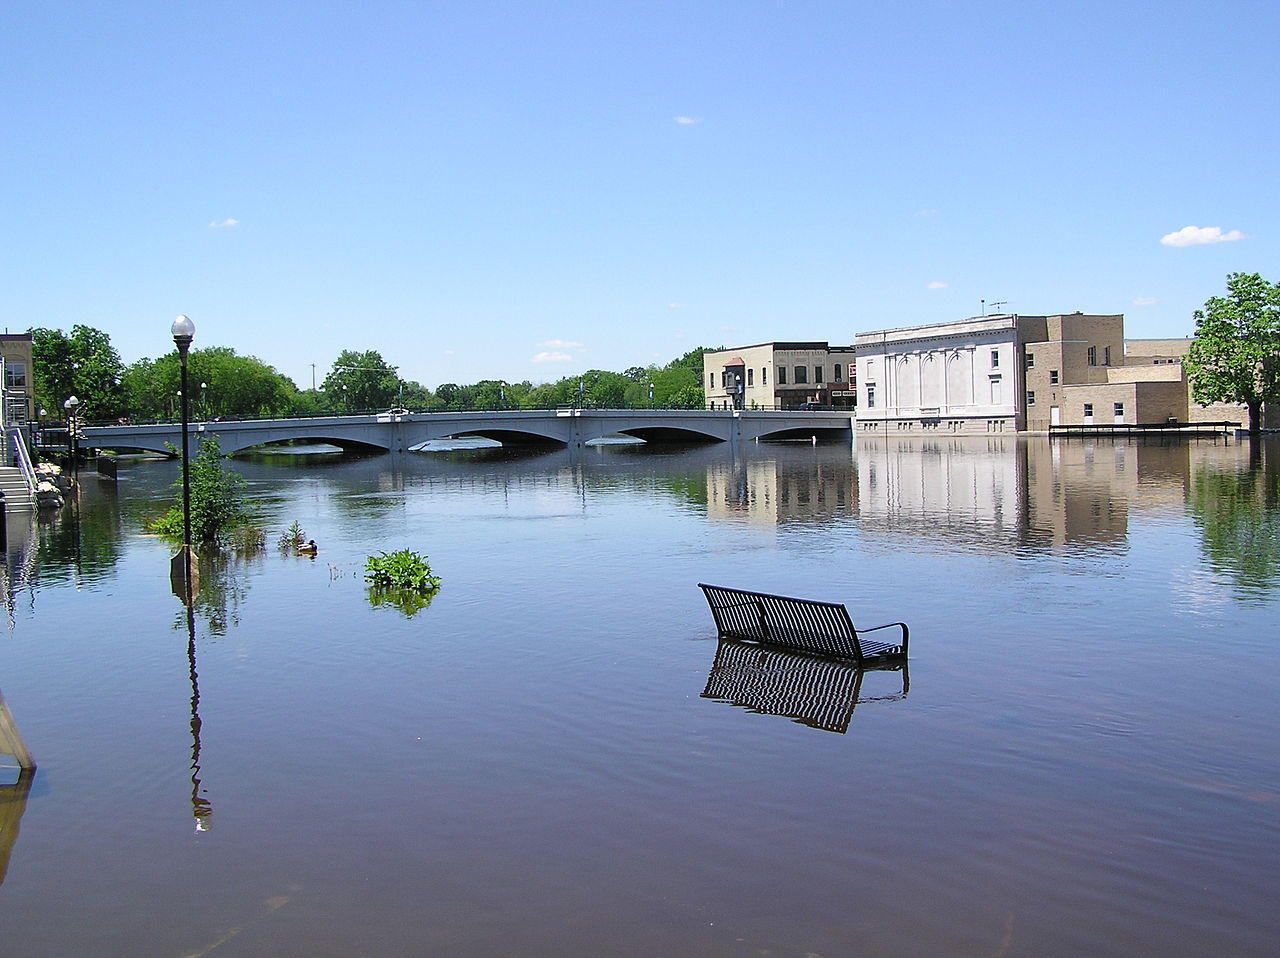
[(1055, 416)]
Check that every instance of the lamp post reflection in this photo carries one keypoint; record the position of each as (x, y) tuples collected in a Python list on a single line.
[(201, 808)]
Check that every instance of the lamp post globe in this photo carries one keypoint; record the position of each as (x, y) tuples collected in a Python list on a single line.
[(183, 331)]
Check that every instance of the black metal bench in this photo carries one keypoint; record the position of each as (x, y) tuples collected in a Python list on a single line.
[(808, 625)]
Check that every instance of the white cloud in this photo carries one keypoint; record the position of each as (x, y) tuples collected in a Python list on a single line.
[(677, 305), (226, 224), (1200, 236), (561, 344), (1145, 301), (935, 284), (552, 357), (687, 120)]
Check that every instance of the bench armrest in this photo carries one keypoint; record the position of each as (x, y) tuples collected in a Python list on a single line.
[(892, 625)]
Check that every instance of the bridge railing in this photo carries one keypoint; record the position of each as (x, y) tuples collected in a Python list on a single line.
[(508, 407)]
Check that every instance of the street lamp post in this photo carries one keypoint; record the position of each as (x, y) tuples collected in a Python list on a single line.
[(184, 330), (71, 405), (650, 394)]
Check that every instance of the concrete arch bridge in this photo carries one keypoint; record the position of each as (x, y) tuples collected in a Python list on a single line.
[(394, 432)]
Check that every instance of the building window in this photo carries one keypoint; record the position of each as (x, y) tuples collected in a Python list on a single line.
[(1088, 410), (15, 375), (995, 359), (712, 377), (1118, 409), (764, 375), (751, 375), (1053, 377), (817, 374), (1093, 355), (802, 375), (1031, 360), (836, 373), (1031, 397), (782, 375), (871, 395), (1106, 355)]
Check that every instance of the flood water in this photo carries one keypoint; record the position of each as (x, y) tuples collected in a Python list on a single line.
[(557, 757)]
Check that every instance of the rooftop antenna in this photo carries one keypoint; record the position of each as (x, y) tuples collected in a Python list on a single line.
[(984, 306), (998, 303)]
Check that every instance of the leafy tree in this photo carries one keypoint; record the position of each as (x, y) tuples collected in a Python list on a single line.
[(217, 505), (81, 363), (221, 384), (224, 384), (1236, 353), (362, 381)]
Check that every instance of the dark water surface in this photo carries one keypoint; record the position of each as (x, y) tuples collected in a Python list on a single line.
[(1084, 761)]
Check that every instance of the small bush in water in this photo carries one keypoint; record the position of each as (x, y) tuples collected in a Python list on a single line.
[(404, 569)]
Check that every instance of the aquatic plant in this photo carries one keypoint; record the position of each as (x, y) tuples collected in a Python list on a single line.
[(402, 579), (292, 537), (403, 569)]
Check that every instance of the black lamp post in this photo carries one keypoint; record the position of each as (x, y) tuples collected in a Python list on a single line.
[(71, 405), (184, 330)]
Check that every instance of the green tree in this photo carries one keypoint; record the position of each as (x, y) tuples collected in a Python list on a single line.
[(1236, 353), (362, 381), (81, 363), (221, 384), (217, 504)]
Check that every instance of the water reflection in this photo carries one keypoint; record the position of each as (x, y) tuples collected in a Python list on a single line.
[(220, 590), (820, 693), (81, 542), (771, 490), (1236, 508), (201, 807), (1023, 494), (13, 802), (18, 571)]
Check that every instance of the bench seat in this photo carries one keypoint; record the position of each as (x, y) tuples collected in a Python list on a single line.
[(808, 625)]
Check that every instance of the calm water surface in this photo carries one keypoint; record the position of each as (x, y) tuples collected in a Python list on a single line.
[(557, 757)]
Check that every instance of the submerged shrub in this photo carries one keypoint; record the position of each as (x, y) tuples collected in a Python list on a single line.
[(403, 569), (292, 537), (217, 507), (401, 579)]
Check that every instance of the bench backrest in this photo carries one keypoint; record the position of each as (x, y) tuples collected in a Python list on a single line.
[(807, 624)]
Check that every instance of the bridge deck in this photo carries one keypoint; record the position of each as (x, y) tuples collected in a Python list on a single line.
[(565, 427)]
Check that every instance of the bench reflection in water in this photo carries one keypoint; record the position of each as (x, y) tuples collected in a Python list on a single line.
[(821, 693)]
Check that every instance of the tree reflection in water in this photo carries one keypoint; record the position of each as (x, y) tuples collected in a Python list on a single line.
[(1238, 515)]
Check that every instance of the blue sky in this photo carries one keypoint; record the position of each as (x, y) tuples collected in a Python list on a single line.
[(528, 190)]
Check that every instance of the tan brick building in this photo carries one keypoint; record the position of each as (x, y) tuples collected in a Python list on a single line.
[(779, 376), (15, 357)]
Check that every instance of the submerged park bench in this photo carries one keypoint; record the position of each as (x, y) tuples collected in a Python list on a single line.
[(808, 625)]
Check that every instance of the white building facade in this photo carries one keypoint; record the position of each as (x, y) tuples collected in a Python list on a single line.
[(957, 377)]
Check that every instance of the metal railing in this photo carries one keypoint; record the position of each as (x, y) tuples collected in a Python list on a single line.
[(22, 458)]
